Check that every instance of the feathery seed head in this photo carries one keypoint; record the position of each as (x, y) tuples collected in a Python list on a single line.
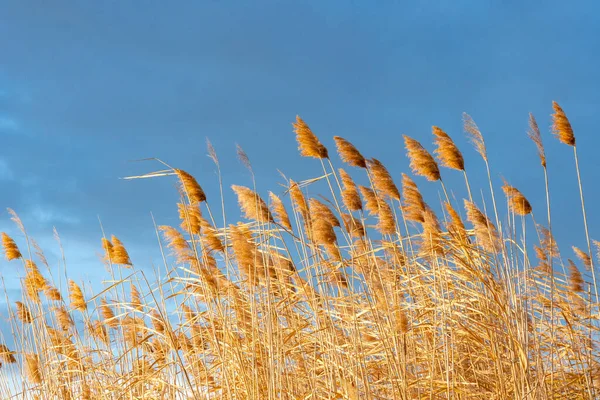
[(348, 153), (446, 151), (11, 251), (308, 144), (561, 126), (421, 162)]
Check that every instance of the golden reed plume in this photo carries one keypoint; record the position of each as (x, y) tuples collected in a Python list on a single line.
[(485, 231), (253, 206), (119, 254), (561, 126), (11, 250), (470, 127), (190, 187), (536, 137), (414, 205), (308, 143), (348, 153), (446, 151), (298, 198), (76, 297), (350, 196), (280, 212), (516, 201), (421, 162), (382, 180), (190, 217)]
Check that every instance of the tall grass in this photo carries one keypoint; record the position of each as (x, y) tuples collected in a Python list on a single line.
[(363, 292)]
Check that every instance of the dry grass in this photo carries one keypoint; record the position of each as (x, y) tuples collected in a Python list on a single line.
[(310, 297)]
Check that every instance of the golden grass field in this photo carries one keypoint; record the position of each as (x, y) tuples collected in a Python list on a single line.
[(358, 292)]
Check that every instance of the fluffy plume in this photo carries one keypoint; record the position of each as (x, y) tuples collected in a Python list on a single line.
[(584, 257), (561, 126), (176, 242), (243, 157), (323, 232), (474, 135), (348, 153), (516, 201), (319, 210), (446, 151), (136, 300), (455, 226), (108, 316), (76, 297), (190, 217), (308, 143), (548, 243), (23, 313), (386, 223), (382, 180), (414, 205), (421, 162), (244, 251), (353, 226), (371, 201), (11, 251), (298, 198), (280, 212), (119, 254), (485, 231), (108, 249), (210, 237), (52, 293), (350, 195), (63, 318), (536, 137), (6, 355), (575, 278), (431, 238), (252, 205), (32, 367), (190, 187)]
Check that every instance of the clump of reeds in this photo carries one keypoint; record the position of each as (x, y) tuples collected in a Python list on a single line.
[(366, 290)]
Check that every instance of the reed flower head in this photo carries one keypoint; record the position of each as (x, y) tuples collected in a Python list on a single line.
[(561, 126), (382, 180), (516, 201), (350, 196), (308, 144), (119, 253), (280, 212), (414, 205), (190, 187), (446, 151), (475, 135), (535, 135), (252, 205), (348, 153), (575, 278), (421, 162), (485, 231), (11, 251), (76, 297)]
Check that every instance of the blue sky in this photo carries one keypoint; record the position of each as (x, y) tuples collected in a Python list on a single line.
[(87, 86)]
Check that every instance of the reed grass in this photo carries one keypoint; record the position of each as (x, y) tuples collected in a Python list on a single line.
[(377, 296)]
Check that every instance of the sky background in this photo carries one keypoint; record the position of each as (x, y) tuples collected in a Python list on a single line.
[(86, 86)]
